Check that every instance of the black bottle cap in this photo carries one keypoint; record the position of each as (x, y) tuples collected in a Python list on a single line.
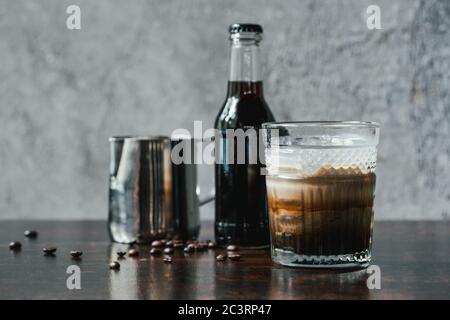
[(245, 27)]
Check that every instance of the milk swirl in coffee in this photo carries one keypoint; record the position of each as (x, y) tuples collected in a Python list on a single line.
[(329, 213), (320, 199)]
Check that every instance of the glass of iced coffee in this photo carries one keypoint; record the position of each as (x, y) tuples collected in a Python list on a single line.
[(320, 179)]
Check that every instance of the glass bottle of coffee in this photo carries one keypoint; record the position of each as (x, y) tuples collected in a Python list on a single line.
[(241, 202)]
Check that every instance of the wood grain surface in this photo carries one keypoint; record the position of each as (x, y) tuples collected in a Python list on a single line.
[(414, 258)]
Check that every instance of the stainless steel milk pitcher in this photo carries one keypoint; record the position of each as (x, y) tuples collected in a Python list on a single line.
[(150, 197)]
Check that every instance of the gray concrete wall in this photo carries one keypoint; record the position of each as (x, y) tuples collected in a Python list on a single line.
[(148, 67)]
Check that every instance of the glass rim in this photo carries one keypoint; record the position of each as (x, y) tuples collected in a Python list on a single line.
[(323, 124)]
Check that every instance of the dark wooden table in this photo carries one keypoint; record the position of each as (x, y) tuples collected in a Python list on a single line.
[(414, 258)]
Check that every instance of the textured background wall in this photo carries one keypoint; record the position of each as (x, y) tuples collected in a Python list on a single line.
[(147, 67)]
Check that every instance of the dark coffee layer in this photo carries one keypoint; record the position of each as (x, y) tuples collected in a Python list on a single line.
[(322, 215)]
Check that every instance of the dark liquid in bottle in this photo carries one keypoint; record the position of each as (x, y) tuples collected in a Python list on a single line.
[(241, 200)]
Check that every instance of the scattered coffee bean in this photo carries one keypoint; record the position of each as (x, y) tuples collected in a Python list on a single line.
[(189, 248), (121, 254), (167, 259), (211, 244), (15, 246), (155, 251), (178, 245), (234, 257), (30, 234), (221, 257), (169, 244), (49, 251), (232, 247), (76, 254), (157, 244), (168, 251), (133, 253), (114, 265)]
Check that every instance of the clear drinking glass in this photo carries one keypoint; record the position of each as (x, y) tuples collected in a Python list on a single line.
[(321, 188)]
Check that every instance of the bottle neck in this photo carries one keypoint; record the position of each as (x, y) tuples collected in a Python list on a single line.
[(240, 88), (245, 69)]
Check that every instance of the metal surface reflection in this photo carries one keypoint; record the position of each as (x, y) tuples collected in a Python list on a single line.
[(140, 193), (123, 284)]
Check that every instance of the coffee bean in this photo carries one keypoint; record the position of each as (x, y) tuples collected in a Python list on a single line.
[(133, 253), (15, 246), (168, 251), (212, 244), (221, 257), (121, 254), (76, 254), (189, 248), (167, 259), (155, 251), (234, 257), (157, 244), (30, 234), (232, 247), (49, 251), (178, 245), (169, 244), (114, 265)]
